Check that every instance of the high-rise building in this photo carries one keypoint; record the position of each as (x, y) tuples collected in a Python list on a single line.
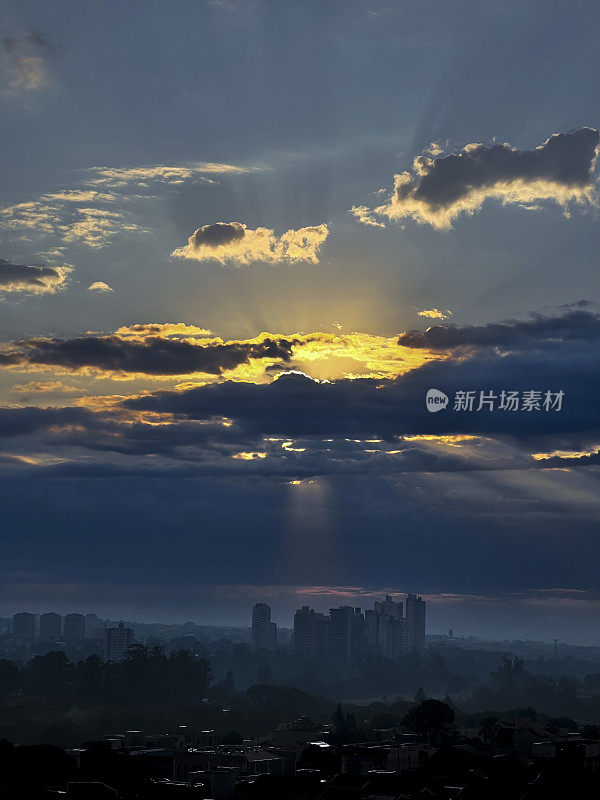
[(74, 627), (346, 635), (272, 636), (311, 633), (415, 623), (50, 626), (264, 632), (323, 634), (372, 631), (24, 626), (393, 641), (386, 629), (116, 642), (90, 626), (305, 632), (359, 640)]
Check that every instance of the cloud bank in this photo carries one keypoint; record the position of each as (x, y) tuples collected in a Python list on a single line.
[(573, 325), (129, 354)]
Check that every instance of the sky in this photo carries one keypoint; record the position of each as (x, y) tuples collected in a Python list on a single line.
[(240, 242)]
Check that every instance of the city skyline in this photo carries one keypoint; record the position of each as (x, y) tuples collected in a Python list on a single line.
[(285, 621)]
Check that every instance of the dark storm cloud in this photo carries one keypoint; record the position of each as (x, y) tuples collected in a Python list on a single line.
[(10, 359), (218, 234), (15, 422), (440, 188), (153, 356), (574, 325), (23, 278), (294, 405)]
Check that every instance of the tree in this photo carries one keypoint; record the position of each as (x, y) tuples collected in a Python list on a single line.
[(9, 676), (49, 676), (385, 719), (229, 683), (511, 668), (265, 675), (339, 720), (420, 695), (88, 680), (429, 717)]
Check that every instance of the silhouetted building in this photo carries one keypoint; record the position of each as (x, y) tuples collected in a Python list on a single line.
[(272, 636), (24, 626), (305, 632), (74, 627), (50, 626), (264, 632), (358, 643), (386, 633), (415, 623), (346, 635), (90, 626), (116, 642)]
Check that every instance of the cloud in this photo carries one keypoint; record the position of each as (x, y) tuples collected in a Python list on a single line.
[(95, 227), (43, 387), (365, 408), (32, 279), (434, 313), (89, 213), (233, 242), (323, 355), (119, 177), (128, 355), (295, 427), (365, 215), (142, 330), (100, 287), (78, 196), (441, 188), (23, 62), (60, 214), (573, 325)]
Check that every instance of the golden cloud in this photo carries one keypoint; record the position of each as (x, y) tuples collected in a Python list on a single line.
[(43, 387), (233, 242), (118, 177), (434, 313), (182, 355), (101, 287)]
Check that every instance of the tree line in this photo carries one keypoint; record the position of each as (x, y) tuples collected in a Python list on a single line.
[(167, 679)]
